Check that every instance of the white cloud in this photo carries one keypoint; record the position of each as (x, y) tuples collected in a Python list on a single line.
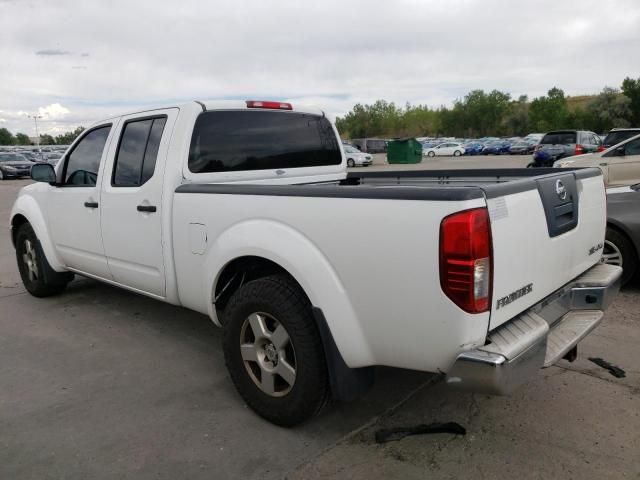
[(54, 111), (3, 120), (333, 53)]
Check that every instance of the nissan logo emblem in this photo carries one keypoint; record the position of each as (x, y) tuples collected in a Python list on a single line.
[(561, 190)]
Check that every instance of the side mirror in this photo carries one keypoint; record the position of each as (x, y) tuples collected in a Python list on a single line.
[(620, 151), (43, 172)]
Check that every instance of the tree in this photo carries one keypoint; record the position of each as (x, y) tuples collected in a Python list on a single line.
[(549, 112), (608, 110), (631, 90), (68, 137), (517, 121), (46, 139), (6, 137), (22, 139)]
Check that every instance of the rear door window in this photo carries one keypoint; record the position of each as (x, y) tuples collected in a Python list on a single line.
[(239, 140), (136, 158)]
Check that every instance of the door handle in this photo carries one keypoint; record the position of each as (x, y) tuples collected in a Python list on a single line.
[(146, 208), (91, 204)]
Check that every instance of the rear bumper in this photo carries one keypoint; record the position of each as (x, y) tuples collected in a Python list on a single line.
[(538, 337)]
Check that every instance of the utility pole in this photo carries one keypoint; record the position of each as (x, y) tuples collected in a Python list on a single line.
[(35, 119)]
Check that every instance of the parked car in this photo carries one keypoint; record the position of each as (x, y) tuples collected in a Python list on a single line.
[(622, 240), (496, 148), (31, 156), (473, 148), (14, 165), (564, 143), (356, 158), (448, 148), (534, 137), (521, 147), (620, 164), (53, 158), (370, 145), (618, 135), (244, 211)]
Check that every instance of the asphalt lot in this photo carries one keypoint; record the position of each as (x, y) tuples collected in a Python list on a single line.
[(103, 383)]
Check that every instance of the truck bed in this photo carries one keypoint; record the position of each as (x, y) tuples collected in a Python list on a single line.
[(379, 251)]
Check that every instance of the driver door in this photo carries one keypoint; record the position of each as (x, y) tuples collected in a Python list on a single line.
[(73, 209)]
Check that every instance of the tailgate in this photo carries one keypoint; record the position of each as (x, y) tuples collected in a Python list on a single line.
[(546, 231)]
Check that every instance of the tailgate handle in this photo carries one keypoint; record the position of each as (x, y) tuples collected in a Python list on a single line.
[(560, 198), (564, 214)]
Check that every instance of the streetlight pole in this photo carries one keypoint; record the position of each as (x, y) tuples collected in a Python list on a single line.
[(35, 119)]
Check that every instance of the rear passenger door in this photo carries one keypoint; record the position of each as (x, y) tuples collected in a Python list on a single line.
[(131, 199)]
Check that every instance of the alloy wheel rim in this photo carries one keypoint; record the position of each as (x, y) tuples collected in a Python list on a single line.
[(268, 354), (611, 254), (29, 260)]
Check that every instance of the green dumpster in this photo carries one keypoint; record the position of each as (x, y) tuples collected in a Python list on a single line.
[(404, 150)]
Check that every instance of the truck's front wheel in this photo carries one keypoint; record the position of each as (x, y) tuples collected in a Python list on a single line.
[(38, 277), (273, 350)]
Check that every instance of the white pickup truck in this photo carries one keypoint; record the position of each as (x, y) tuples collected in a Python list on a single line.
[(244, 211)]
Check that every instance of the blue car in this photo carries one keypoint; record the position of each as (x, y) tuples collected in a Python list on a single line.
[(496, 148), (473, 148)]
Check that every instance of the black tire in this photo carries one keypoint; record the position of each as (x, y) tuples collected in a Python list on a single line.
[(615, 240), (41, 280), (351, 163), (457, 153), (431, 154), (277, 297), (531, 165)]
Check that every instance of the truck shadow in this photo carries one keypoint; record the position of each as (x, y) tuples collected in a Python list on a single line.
[(196, 343)]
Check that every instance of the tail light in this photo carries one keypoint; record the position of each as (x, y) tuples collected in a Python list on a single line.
[(579, 149), (269, 105), (600, 149), (465, 259)]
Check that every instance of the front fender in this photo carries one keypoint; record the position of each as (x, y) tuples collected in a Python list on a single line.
[(28, 207), (298, 255)]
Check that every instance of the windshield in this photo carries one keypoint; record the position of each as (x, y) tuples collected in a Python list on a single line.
[(559, 138), (350, 149)]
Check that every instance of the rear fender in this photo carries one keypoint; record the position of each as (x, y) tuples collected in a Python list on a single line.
[(296, 254)]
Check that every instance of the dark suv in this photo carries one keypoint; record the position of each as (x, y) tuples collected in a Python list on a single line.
[(617, 135), (564, 143)]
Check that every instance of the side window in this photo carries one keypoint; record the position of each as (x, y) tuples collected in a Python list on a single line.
[(135, 160), (83, 163), (633, 147)]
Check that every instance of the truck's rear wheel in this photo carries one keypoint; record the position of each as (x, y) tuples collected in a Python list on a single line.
[(273, 350), (618, 250), (38, 277)]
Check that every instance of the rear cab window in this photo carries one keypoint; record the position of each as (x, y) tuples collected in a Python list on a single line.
[(246, 140)]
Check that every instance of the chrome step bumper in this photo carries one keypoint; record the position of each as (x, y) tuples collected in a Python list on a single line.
[(538, 337)]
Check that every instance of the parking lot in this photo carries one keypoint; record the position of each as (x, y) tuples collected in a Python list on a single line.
[(102, 383)]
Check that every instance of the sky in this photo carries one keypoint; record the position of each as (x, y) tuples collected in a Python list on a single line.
[(73, 63)]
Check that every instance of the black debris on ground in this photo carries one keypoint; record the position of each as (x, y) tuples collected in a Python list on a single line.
[(613, 370)]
